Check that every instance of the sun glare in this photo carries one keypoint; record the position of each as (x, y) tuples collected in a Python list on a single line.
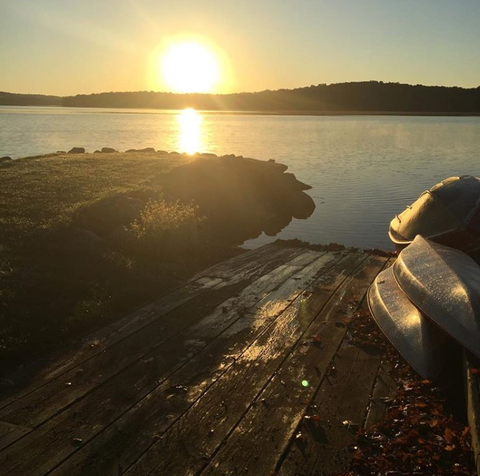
[(190, 136), (190, 68)]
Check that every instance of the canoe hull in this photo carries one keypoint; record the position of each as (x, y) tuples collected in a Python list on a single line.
[(418, 340), (444, 284), (448, 213)]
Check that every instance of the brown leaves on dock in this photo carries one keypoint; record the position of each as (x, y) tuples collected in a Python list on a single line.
[(418, 435), (365, 333)]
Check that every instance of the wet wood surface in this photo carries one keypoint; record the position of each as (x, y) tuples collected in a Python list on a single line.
[(246, 369)]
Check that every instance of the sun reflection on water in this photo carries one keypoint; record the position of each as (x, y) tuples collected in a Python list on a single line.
[(190, 133)]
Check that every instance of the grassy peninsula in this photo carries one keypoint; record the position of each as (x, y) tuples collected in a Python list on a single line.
[(88, 237)]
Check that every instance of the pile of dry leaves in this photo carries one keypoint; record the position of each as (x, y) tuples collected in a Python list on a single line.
[(419, 435)]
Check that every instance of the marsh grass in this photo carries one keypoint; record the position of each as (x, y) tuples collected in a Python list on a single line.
[(168, 231)]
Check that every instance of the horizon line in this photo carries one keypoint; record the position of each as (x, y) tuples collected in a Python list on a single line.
[(245, 92)]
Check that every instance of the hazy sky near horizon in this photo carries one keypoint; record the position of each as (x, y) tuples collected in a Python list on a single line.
[(69, 46)]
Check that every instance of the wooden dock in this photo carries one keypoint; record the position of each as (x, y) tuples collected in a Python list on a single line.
[(246, 369)]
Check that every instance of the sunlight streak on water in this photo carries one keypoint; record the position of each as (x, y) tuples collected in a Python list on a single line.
[(190, 134)]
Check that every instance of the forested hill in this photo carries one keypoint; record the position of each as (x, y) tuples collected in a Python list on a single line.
[(11, 99), (359, 97)]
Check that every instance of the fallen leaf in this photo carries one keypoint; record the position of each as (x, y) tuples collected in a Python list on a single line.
[(448, 435)]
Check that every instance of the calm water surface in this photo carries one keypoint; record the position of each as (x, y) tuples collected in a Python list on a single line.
[(363, 169)]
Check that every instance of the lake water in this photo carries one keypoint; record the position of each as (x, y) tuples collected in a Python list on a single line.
[(363, 169)]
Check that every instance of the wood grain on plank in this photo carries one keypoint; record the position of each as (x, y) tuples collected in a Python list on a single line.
[(324, 447), (50, 444), (324, 443), (192, 440), (10, 433), (226, 269), (257, 443), (384, 389)]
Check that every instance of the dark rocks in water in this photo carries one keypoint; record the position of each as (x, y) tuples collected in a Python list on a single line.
[(240, 197), (77, 150), (108, 150), (6, 158), (143, 151), (109, 214)]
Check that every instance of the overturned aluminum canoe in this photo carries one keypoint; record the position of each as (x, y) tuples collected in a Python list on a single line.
[(444, 283), (420, 342), (448, 213)]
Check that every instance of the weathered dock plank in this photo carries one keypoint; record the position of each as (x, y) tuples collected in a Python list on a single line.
[(10, 433), (384, 389), (323, 447)]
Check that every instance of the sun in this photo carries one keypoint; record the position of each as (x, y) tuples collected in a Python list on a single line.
[(189, 67)]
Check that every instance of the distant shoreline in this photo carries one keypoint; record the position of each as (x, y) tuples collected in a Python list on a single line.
[(364, 98), (139, 110)]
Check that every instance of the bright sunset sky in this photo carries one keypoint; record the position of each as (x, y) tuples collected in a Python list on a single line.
[(82, 46)]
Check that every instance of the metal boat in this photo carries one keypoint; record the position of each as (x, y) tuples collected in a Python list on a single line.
[(420, 342), (448, 213), (443, 283)]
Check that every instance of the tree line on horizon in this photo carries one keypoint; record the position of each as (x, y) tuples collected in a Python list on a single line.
[(369, 96)]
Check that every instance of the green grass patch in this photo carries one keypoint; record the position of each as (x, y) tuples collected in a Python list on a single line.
[(86, 238)]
